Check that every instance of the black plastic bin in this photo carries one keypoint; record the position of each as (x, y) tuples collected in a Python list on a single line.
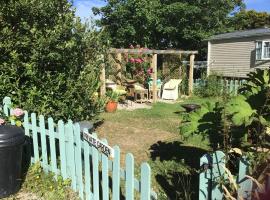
[(12, 139)]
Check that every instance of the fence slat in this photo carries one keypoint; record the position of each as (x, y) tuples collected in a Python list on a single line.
[(116, 173), (205, 177), (52, 146), (7, 105), (245, 184), (26, 123), (86, 152), (78, 158), (236, 86), (70, 154), (129, 177), (95, 171), (105, 175), (35, 137), (145, 182), (217, 172), (62, 146), (43, 142)]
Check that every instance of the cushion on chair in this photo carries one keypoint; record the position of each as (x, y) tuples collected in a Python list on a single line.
[(172, 84)]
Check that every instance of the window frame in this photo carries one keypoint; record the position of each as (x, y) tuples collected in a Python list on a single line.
[(262, 49)]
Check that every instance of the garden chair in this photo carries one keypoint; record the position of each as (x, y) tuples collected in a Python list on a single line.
[(171, 89), (150, 88)]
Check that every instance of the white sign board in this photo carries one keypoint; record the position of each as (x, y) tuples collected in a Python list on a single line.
[(101, 146)]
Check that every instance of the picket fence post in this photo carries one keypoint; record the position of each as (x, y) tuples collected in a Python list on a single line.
[(95, 161), (129, 177), (62, 146), (205, 177), (105, 175), (217, 172), (43, 143), (245, 184), (70, 153), (116, 174), (86, 152)]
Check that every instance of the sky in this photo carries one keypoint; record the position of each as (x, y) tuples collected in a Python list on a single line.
[(83, 7)]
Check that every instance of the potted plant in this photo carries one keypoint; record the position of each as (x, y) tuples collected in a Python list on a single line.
[(112, 102)]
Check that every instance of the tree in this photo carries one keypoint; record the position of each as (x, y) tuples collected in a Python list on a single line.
[(250, 20), (49, 61), (161, 24)]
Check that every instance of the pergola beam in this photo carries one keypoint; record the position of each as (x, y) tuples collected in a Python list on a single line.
[(151, 51)]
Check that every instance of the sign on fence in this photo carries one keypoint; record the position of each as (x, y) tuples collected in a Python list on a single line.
[(101, 146)]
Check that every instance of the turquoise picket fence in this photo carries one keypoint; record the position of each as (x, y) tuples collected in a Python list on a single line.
[(232, 86), (60, 149), (214, 173)]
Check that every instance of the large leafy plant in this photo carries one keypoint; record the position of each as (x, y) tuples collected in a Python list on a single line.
[(243, 119)]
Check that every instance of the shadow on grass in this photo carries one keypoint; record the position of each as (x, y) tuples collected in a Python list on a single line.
[(174, 183)]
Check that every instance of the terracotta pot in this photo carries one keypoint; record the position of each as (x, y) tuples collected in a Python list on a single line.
[(111, 106)]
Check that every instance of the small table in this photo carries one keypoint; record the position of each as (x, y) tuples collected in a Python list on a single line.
[(143, 95)]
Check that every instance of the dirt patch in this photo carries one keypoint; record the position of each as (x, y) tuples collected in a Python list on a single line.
[(132, 139), (23, 195)]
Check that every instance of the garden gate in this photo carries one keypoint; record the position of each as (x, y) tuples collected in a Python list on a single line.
[(215, 172), (61, 149)]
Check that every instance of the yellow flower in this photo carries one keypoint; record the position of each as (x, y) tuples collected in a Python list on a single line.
[(18, 123)]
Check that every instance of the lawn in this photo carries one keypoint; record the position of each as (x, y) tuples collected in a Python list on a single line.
[(152, 135)]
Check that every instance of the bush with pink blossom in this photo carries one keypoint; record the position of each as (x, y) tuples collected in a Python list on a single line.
[(138, 65), (16, 116)]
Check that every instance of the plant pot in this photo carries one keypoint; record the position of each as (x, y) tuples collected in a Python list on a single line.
[(111, 106)]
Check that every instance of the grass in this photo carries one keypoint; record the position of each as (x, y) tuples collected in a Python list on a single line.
[(152, 135)]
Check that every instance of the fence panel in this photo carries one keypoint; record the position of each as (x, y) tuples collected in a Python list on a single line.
[(79, 161), (210, 188), (232, 86)]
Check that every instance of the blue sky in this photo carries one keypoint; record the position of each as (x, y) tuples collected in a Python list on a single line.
[(84, 6)]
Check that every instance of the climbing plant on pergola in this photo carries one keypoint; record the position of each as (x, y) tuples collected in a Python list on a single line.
[(154, 54)]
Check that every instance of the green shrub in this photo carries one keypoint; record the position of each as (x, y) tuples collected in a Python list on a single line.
[(49, 60), (209, 87)]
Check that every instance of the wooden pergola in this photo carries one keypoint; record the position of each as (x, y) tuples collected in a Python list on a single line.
[(154, 54)]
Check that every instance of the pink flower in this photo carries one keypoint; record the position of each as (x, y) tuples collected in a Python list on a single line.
[(132, 60), (131, 46), (150, 71), (17, 112), (2, 121), (138, 60)]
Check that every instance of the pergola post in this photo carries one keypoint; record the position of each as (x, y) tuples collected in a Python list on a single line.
[(180, 67), (118, 69), (102, 80), (191, 68), (154, 67)]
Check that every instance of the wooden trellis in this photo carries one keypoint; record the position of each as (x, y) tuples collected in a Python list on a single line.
[(154, 54)]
